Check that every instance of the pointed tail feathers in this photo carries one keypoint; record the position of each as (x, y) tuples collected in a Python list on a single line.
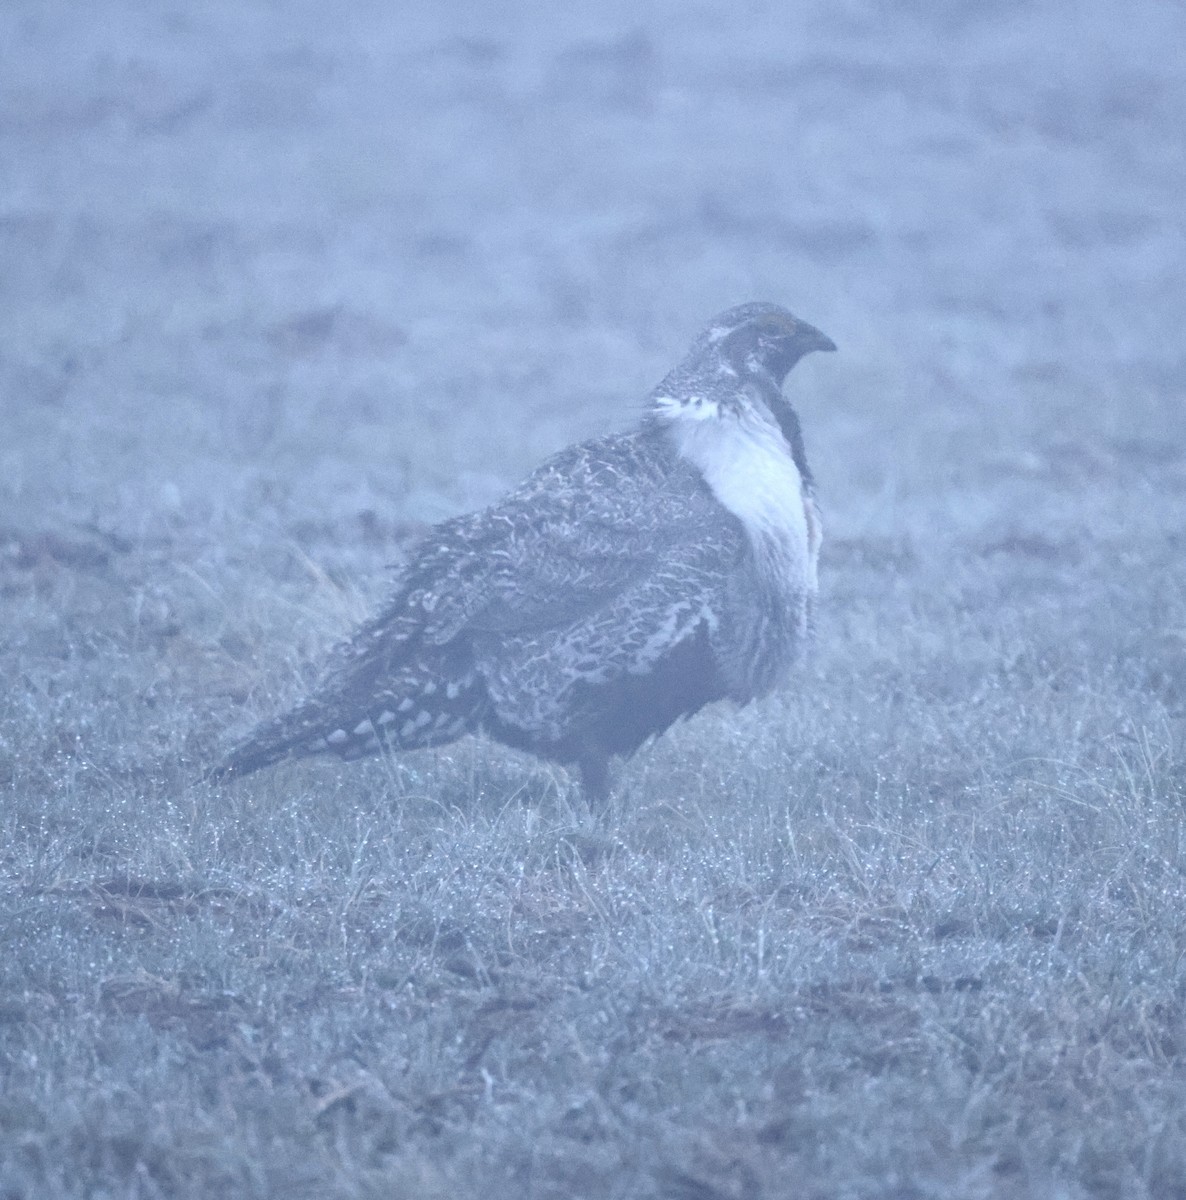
[(405, 718), (304, 731)]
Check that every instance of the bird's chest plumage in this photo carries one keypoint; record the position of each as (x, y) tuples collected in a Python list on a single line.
[(747, 464)]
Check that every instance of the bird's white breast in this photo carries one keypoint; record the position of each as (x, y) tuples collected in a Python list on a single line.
[(747, 463)]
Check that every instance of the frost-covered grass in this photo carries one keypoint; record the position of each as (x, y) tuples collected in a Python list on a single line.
[(275, 291)]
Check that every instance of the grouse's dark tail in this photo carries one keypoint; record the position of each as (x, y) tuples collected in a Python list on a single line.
[(352, 723), (304, 731)]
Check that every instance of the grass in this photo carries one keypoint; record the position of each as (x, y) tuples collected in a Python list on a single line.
[(912, 928)]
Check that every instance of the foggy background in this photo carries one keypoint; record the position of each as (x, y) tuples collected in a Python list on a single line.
[(389, 258), (281, 284)]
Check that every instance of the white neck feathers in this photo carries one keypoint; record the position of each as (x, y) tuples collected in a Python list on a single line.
[(741, 453)]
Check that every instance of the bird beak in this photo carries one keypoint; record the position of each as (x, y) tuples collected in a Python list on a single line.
[(811, 338)]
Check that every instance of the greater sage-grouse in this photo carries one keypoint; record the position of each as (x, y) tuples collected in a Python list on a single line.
[(629, 581)]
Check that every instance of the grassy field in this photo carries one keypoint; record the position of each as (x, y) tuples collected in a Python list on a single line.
[(279, 290)]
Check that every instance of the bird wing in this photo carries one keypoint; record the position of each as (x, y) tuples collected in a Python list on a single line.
[(604, 559), (606, 554), (547, 680), (584, 527)]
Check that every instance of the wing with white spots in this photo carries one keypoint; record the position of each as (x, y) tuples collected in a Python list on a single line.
[(602, 560)]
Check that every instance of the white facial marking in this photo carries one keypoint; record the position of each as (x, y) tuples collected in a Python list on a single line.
[(694, 408)]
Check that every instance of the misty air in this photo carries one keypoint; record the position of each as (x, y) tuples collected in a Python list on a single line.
[(592, 600)]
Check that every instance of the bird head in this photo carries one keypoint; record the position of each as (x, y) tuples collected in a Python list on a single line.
[(761, 337), (742, 356), (757, 342)]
